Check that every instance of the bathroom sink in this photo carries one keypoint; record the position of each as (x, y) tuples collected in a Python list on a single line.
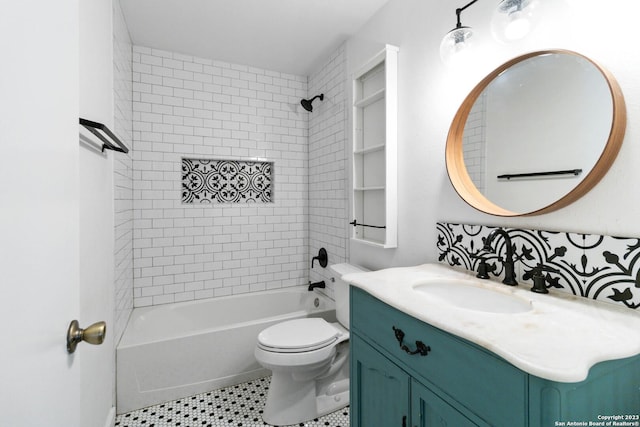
[(462, 295)]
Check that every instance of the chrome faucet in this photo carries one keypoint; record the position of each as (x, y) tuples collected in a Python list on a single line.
[(508, 263)]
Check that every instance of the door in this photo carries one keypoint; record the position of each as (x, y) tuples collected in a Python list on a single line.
[(428, 410), (379, 388), (40, 230), (39, 247)]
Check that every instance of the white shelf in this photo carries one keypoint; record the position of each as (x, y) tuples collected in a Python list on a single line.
[(370, 242), (368, 188), (374, 139), (370, 149), (374, 97)]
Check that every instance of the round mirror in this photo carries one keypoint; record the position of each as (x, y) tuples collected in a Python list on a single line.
[(536, 134)]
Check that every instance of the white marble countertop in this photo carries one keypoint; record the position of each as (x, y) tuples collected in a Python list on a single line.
[(560, 339)]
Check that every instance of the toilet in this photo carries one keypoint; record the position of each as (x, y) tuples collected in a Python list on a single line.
[(309, 361)]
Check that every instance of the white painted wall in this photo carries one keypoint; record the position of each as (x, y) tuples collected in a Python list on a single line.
[(328, 168), (430, 93)]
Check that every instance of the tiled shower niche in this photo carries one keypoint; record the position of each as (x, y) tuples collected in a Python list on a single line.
[(226, 181), (598, 267)]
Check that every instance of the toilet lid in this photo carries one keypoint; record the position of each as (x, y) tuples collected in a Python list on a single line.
[(299, 334)]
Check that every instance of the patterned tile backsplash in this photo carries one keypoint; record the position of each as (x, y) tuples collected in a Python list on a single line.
[(226, 181), (592, 266)]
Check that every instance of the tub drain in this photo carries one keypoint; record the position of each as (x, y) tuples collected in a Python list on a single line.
[(316, 302)]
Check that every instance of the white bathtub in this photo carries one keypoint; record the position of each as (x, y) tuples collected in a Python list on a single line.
[(177, 350)]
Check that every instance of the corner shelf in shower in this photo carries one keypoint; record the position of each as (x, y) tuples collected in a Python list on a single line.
[(374, 138)]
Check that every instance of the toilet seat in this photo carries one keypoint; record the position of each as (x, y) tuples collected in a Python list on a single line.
[(299, 335)]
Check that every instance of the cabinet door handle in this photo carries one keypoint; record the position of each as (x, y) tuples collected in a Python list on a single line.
[(404, 421), (421, 348)]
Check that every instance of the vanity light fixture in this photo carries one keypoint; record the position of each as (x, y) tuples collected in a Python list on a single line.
[(514, 19), (456, 40)]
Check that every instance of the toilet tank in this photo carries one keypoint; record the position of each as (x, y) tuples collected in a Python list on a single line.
[(341, 290)]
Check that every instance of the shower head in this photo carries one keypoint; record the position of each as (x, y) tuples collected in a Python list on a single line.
[(306, 103)]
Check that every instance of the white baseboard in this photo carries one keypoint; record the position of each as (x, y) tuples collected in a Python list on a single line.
[(111, 418)]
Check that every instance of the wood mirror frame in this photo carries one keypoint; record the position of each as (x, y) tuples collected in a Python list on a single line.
[(459, 176)]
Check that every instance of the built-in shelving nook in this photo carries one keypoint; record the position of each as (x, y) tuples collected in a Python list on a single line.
[(375, 125)]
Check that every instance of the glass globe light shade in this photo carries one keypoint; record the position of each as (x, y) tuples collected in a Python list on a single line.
[(514, 19), (455, 43)]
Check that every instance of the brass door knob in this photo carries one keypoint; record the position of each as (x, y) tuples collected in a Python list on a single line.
[(94, 334)]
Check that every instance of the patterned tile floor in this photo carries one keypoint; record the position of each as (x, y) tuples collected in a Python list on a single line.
[(238, 405)]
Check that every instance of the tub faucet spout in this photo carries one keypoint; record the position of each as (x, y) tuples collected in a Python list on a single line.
[(508, 262), (319, 284)]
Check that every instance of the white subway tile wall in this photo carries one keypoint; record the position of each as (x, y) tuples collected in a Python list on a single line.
[(328, 197), (123, 171), (193, 107)]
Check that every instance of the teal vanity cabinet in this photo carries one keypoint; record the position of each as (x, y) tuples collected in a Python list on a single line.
[(386, 394), (457, 383), (382, 388)]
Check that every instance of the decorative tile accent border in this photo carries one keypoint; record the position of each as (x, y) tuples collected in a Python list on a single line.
[(592, 266), (225, 181)]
